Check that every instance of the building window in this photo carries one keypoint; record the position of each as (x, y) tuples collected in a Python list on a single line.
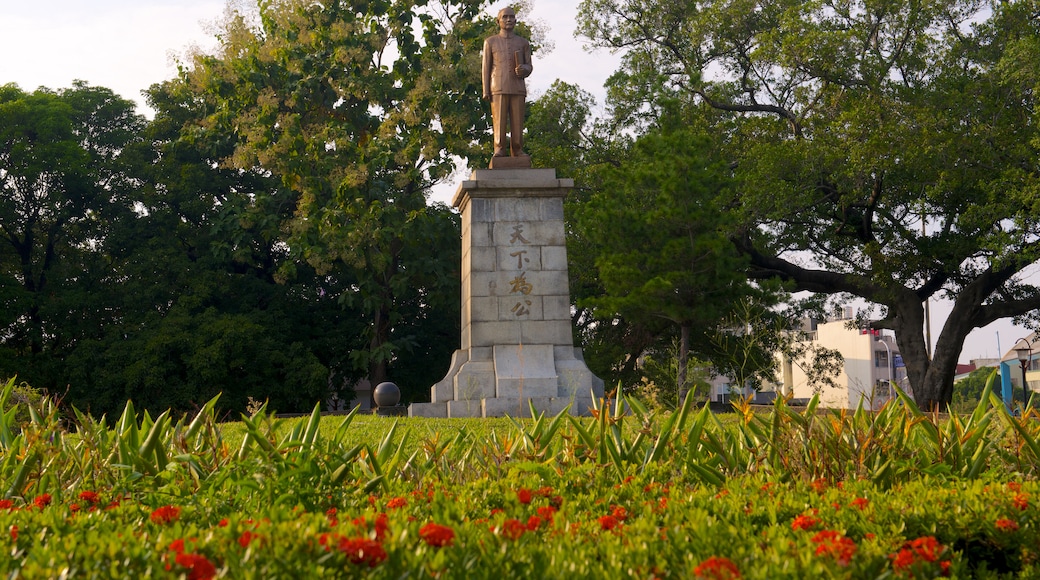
[(881, 359)]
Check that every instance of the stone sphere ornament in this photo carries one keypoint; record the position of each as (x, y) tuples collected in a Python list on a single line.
[(387, 394)]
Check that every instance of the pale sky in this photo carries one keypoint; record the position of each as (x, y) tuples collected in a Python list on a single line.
[(128, 45)]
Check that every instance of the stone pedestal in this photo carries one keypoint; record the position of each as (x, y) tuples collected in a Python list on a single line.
[(516, 319)]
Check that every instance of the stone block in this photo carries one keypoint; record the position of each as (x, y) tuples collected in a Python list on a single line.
[(466, 338), (466, 408), (487, 284), (520, 307), (518, 258), (554, 258), (524, 360), (479, 234), (487, 259), (518, 209), (502, 332), (500, 163), (438, 410), (444, 390), (520, 283), (482, 354), (552, 209), (526, 387), (556, 308), (475, 380), (481, 210), (527, 232), (523, 175), (484, 309), (515, 407), (524, 370), (554, 332)]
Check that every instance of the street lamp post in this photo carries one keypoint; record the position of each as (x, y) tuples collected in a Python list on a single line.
[(1025, 352)]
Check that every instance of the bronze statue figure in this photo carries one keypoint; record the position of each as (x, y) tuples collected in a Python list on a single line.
[(507, 62)]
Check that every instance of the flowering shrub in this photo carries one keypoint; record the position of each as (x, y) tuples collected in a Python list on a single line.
[(359, 499)]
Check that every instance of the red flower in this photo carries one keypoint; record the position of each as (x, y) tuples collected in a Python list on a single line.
[(861, 502), (1021, 501), (619, 512), (177, 546), (1014, 486), (42, 500), (820, 485), (246, 538), (512, 529), (716, 568), (362, 551), (533, 523), (925, 549), (223, 522), (437, 535), (1006, 525), (331, 515), (90, 497), (166, 514), (835, 545), (6, 504), (607, 523), (804, 522), (523, 495), (74, 507), (546, 513), (14, 533), (199, 568), (382, 525), (397, 502)]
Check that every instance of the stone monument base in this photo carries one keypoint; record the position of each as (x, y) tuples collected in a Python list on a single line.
[(517, 349), (509, 379), (519, 162)]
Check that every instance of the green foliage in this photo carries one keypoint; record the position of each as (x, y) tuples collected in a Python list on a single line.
[(837, 124), (968, 391), (782, 494), (18, 398), (356, 111)]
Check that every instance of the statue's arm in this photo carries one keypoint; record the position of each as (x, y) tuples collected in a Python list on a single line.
[(526, 68), (486, 67)]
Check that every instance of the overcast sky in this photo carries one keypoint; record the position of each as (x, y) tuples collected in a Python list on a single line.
[(128, 45)]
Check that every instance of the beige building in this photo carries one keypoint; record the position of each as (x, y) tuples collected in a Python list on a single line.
[(871, 364)]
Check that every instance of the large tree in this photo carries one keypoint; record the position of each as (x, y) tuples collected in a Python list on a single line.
[(886, 150), (64, 181), (658, 230), (357, 109)]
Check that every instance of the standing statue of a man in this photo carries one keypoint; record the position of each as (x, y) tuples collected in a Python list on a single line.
[(507, 62)]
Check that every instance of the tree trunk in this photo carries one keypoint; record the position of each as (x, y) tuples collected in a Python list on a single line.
[(931, 380), (377, 363), (684, 357)]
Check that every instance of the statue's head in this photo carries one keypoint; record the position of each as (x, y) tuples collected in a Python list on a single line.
[(506, 18)]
